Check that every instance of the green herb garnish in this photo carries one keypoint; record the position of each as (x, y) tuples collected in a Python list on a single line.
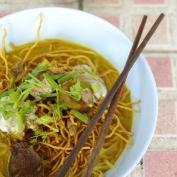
[(7, 102), (46, 120), (83, 117), (38, 133), (68, 76), (51, 81), (57, 109), (26, 109), (41, 67), (57, 76), (75, 91)]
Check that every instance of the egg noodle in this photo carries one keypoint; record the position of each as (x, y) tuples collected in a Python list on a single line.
[(54, 147)]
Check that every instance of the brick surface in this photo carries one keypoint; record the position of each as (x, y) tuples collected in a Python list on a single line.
[(167, 122), (3, 14), (162, 70), (160, 164), (112, 19), (167, 143), (161, 37), (149, 1)]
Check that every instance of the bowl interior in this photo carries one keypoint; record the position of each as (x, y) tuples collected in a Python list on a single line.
[(97, 34)]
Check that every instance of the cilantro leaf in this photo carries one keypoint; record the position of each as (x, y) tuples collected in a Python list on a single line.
[(75, 91), (7, 102), (57, 109)]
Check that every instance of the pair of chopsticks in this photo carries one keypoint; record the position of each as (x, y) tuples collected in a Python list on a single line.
[(111, 99)]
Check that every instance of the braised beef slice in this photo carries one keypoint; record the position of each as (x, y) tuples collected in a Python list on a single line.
[(25, 162)]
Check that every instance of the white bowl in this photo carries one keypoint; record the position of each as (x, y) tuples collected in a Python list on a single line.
[(111, 43)]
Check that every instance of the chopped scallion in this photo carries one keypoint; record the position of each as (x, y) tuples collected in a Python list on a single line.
[(68, 76), (41, 67), (22, 113), (46, 120), (83, 117), (51, 81)]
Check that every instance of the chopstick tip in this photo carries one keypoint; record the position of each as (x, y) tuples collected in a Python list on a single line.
[(162, 15)]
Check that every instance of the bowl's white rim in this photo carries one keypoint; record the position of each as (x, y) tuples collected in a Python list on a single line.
[(151, 133)]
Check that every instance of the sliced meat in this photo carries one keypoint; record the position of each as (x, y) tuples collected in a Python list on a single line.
[(37, 91), (82, 105), (79, 105), (25, 162), (87, 97), (87, 75)]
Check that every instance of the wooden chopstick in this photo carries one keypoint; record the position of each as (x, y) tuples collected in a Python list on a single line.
[(83, 138), (104, 131)]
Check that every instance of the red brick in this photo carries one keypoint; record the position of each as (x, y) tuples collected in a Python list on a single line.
[(2, 14), (167, 118), (112, 19), (162, 70), (161, 36), (160, 164), (149, 1)]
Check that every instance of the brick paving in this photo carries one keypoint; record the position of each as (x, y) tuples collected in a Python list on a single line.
[(161, 53), (162, 70), (167, 111), (160, 163)]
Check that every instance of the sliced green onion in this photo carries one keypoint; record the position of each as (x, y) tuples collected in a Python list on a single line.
[(51, 81), (21, 115), (6, 93), (46, 120), (58, 107), (36, 80), (83, 117), (57, 76), (75, 91), (41, 67), (68, 76), (22, 97), (57, 111)]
